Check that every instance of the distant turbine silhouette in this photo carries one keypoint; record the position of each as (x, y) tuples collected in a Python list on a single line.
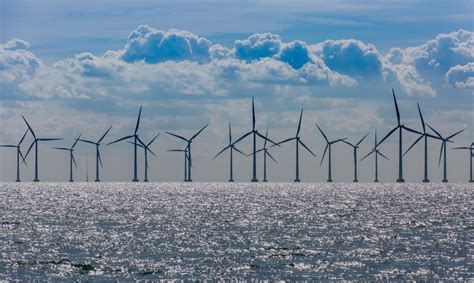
[(232, 148), (377, 153), (355, 147), (146, 148), (265, 153), (424, 135), (35, 143), (186, 157), (188, 148), (399, 127), (444, 149), (135, 139), (255, 133), (471, 155), (71, 157), (18, 155), (97, 153), (298, 141), (328, 145)]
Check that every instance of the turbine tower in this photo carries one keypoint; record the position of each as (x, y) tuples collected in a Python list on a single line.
[(471, 155), (424, 135), (265, 154), (35, 143), (328, 145), (355, 147), (186, 157), (18, 155), (377, 153), (444, 150), (135, 140), (298, 141), (97, 153), (255, 133), (71, 157), (188, 148), (399, 127), (147, 149), (232, 148)]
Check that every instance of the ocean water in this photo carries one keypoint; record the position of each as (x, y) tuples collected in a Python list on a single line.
[(88, 231)]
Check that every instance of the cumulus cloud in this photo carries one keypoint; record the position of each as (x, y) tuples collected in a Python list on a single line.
[(17, 64), (258, 46), (461, 76)]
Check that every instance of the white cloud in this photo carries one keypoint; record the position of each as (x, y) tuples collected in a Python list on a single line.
[(17, 64), (461, 76)]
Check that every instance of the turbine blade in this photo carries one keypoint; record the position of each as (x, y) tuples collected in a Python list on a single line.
[(453, 135), (238, 150), (421, 118), (299, 123), (348, 143), (103, 136), (230, 134), (74, 160), (396, 106), (138, 120), (196, 134), (284, 141), (222, 151), (138, 144), (74, 144), (307, 148), (386, 137), (326, 138), (436, 132), (8, 145), (411, 130), (256, 152), (100, 159), (51, 139), (148, 144), (265, 138), (378, 152), (339, 140), (29, 127), (368, 154), (177, 136), (22, 157), (413, 144), (91, 142), (324, 154), (269, 155), (24, 135), (121, 139), (362, 139), (177, 150), (62, 148), (29, 149), (440, 152), (242, 137), (461, 147), (253, 114)]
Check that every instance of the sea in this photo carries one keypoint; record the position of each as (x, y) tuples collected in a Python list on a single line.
[(240, 231)]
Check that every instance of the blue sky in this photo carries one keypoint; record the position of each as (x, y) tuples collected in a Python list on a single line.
[(79, 66)]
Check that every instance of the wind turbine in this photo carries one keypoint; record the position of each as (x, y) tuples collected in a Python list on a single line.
[(399, 127), (188, 148), (471, 155), (328, 145), (232, 147), (298, 141), (377, 153), (71, 157), (186, 157), (265, 154), (423, 135), (147, 149), (135, 139), (255, 133), (444, 149), (355, 147), (97, 153), (18, 155), (35, 143)]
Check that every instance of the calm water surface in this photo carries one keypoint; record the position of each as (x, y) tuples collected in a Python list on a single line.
[(213, 230)]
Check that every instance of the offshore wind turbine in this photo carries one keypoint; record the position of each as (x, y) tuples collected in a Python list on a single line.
[(97, 153), (231, 148), (265, 154), (355, 147), (186, 157), (188, 148), (328, 145), (18, 155), (35, 143), (471, 155), (424, 135), (255, 133), (298, 141), (147, 149), (135, 139), (400, 127), (71, 157), (377, 153), (444, 149)]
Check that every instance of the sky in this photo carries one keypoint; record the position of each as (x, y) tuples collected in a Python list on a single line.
[(73, 67)]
